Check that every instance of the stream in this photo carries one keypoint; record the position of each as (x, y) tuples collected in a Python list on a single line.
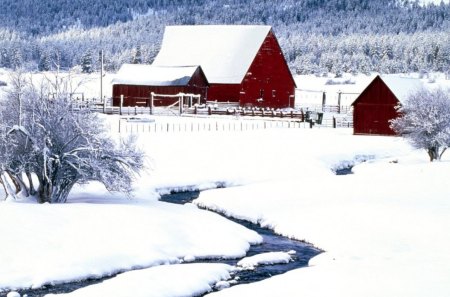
[(271, 243)]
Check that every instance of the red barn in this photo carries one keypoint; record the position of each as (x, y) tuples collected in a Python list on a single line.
[(136, 82), (375, 106), (243, 64)]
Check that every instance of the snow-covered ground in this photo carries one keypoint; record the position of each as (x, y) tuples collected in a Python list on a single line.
[(384, 228)]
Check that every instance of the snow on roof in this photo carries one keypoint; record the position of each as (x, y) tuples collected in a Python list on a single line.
[(225, 53), (149, 75), (402, 87)]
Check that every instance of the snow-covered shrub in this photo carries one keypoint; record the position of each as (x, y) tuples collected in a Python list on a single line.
[(44, 137), (425, 121)]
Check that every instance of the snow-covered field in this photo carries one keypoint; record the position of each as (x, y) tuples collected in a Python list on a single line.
[(384, 228)]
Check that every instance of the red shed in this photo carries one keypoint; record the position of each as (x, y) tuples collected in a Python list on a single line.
[(375, 106), (243, 64), (136, 82)]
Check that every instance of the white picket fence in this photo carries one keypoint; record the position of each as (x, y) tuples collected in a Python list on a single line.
[(137, 126)]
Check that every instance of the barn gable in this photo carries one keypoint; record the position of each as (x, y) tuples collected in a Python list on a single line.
[(376, 105), (388, 89)]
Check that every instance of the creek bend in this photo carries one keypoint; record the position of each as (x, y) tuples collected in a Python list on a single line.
[(271, 243)]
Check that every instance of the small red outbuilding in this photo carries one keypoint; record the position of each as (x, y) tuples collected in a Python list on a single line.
[(243, 64), (375, 106), (136, 83)]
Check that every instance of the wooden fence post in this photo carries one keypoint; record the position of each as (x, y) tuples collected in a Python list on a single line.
[(121, 104), (181, 102), (334, 122), (152, 98), (339, 101), (324, 100)]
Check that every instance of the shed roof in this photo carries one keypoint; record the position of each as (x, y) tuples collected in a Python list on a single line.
[(225, 53), (402, 87), (150, 75)]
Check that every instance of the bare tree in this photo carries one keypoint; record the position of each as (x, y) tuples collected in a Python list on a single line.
[(425, 121), (61, 146)]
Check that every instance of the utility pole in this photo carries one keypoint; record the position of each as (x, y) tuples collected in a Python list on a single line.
[(101, 81)]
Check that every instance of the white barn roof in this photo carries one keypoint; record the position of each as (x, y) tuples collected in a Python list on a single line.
[(225, 53), (402, 87), (149, 75)]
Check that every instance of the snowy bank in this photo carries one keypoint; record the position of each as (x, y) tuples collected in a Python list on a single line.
[(166, 280), (384, 228), (59, 243)]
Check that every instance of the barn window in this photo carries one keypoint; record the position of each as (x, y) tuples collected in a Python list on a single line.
[(274, 93), (261, 93)]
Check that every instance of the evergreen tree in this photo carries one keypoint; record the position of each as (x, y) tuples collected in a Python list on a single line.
[(16, 58), (5, 60), (137, 56), (86, 62), (44, 62)]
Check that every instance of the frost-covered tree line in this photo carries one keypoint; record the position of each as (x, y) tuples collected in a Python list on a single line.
[(389, 53), (316, 35), (47, 146)]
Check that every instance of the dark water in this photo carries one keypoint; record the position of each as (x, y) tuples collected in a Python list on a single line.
[(344, 171), (58, 289), (272, 243)]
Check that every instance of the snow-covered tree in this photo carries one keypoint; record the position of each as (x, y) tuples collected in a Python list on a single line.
[(137, 56), (60, 147), (425, 121), (44, 62), (87, 63)]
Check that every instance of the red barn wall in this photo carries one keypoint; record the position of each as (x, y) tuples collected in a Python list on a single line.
[(140, 95), (373, 109), (224, 92), (268, 78)]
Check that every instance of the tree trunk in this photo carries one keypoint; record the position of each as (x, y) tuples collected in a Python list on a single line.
[(9, 191), (54, 192), (4, 188), (22, 184), (433, 153), (61, 192), (30, 182), (45, 191), (14, 181)]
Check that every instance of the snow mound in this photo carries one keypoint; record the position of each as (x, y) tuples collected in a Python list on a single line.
[(164, 280), (265, 259)]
